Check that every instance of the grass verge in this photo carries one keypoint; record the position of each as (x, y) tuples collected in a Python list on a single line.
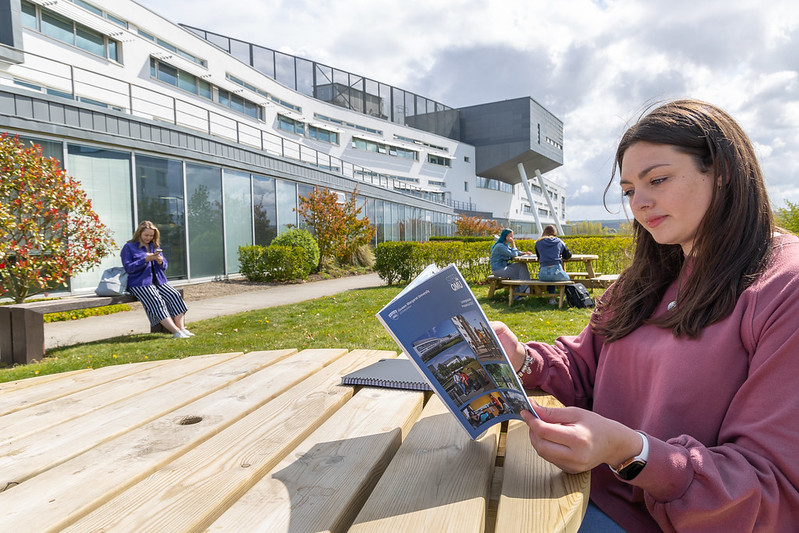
[(346, 320)]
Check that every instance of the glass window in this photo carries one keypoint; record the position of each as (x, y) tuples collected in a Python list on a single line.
[(304, 191), (167, 74), (224, 97), (105, 176), (237, 103), (238, 216), (204, 217), (90, 40), (113, 51), (187, 82), (204, 89), (265, 209), (240, 50), (379, 221), (57, 27), (286, 204), (284, 70), (29, 15), (263, 60), (49, 148), (89, 7), (115, 20), (159, 192)]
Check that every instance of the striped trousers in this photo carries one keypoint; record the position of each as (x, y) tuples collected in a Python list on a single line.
[(159, 301)]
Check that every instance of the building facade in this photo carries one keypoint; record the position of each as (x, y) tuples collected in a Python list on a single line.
[(214, 139)]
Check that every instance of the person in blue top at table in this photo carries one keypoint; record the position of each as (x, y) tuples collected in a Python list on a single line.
[(145, 265), (551, 251), (502, 252)]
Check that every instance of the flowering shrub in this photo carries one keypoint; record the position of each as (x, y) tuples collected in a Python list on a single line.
[(339, 228), (476, 226), (48, 230)]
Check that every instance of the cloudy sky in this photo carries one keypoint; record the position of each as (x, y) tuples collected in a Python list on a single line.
[(595, 64)]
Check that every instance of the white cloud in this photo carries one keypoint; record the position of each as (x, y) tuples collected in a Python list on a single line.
[(595, 64)]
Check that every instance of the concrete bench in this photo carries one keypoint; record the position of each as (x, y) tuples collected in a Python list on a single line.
[(537, 287), (22, 325)]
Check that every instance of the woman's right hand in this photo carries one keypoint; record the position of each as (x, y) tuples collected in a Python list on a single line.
[(151, 257), (510, 343)]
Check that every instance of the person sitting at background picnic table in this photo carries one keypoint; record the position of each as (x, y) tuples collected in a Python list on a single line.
[(551, 251), (502, 252), (680, 393), (146, 265)]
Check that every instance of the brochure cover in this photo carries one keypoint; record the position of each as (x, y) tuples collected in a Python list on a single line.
[(439, 325)]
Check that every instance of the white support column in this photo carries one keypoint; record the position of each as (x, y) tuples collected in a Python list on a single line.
[(526, 184), (549, 201)]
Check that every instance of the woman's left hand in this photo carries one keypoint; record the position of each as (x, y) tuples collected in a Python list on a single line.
[(576, 440)]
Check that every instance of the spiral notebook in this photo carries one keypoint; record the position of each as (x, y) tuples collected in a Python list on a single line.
[(390, 373)]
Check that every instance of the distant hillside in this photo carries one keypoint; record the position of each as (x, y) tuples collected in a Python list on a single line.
[(611, 226)]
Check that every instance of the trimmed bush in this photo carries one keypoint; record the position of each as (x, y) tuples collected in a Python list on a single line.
[(303, 239), (401, 261), (273, 263), (394, 261)]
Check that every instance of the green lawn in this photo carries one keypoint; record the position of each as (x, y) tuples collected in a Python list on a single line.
[(346, 320)]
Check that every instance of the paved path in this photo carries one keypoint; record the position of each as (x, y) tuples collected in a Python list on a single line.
[(104, 327)]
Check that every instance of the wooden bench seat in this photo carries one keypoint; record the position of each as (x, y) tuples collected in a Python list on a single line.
[(537, 287), (582, 275), (601, 282), (22, 325)]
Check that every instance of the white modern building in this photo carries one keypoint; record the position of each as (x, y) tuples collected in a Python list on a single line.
[(214, 139)]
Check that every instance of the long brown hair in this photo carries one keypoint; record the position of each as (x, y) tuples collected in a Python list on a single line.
[(733, 241), (143, 225)]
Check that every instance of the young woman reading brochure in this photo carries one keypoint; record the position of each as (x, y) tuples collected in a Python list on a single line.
[(681, 392)]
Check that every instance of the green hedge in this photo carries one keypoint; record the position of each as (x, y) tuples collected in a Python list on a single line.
[(302, 238), (274, 263), (402, 261)]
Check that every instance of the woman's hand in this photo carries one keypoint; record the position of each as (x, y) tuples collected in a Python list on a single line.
[(154, 257), (576, 440), (510, 343)]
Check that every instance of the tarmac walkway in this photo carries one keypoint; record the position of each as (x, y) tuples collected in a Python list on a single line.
[(105, 327)]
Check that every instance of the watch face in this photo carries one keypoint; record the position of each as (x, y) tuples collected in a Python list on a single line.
[(631, 470)]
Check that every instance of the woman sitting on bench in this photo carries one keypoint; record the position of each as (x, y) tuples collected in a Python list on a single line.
[(502, 252), (145, 265), (551, 252)]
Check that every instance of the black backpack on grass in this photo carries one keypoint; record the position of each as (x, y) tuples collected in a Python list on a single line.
[(577, 296)]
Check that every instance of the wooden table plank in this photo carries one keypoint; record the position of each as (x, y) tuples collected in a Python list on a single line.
[(55, 412), (215, 473), (25, 457), (28, 396), (19, 384), (439, 479), (59, 496), (557, 506), (323, 483)]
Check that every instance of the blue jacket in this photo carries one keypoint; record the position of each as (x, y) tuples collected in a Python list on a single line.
[(550, 250), (501, 254), (140, 272)]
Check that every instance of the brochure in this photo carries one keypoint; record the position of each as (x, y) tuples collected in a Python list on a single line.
[(438, 323)]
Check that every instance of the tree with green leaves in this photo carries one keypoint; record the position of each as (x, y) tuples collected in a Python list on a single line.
[(788, 217), (48, 229)]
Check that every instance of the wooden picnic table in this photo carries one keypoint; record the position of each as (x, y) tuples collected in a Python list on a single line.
[(263, 441), (587, 260)]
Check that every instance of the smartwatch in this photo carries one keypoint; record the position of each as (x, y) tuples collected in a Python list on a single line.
[(630, 468)]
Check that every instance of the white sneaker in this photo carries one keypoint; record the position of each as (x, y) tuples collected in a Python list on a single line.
[(553, 301), (180, 335), (187, 332)]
